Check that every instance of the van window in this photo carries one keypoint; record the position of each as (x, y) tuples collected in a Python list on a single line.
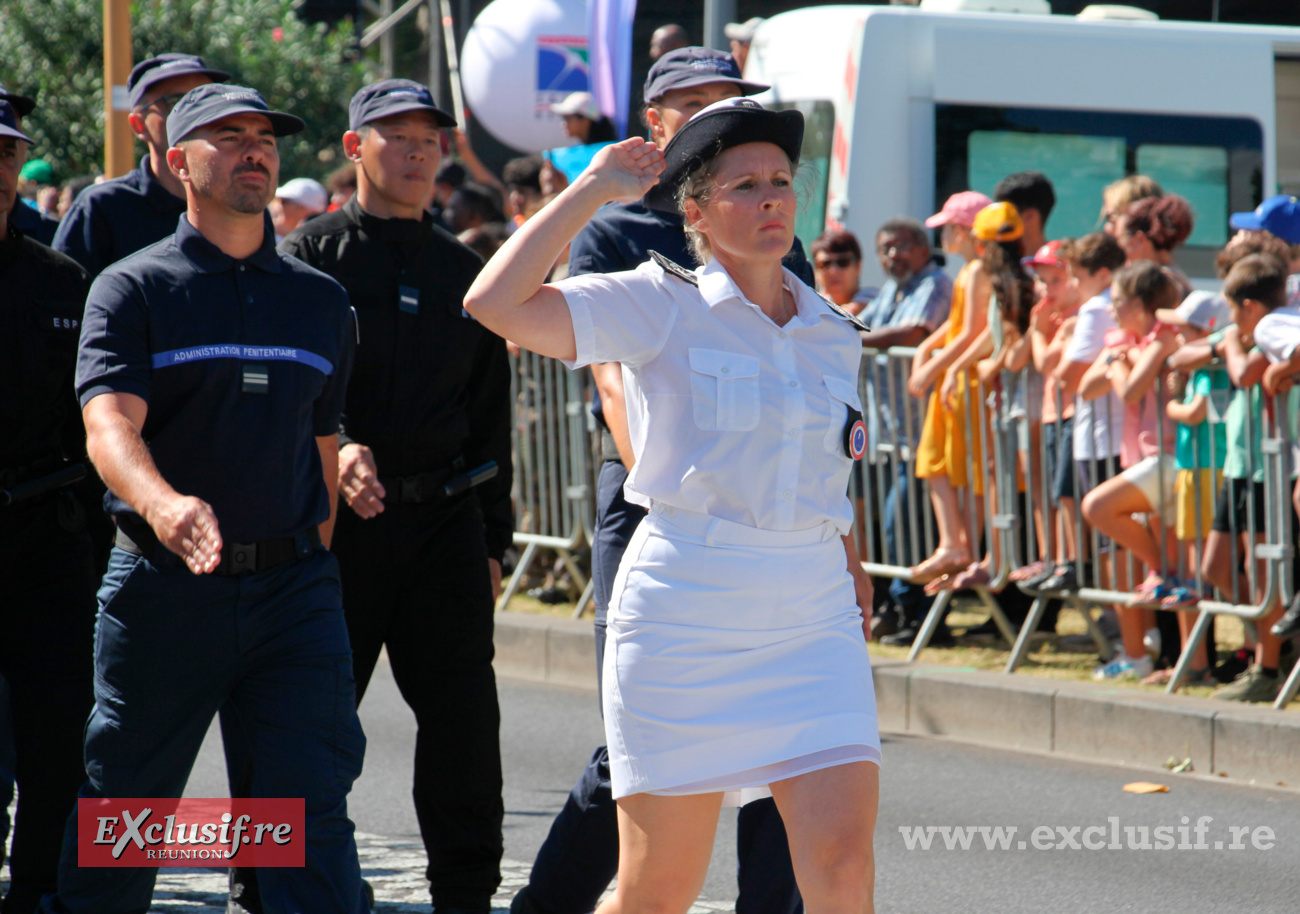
[(1216, 163), (814, 166)]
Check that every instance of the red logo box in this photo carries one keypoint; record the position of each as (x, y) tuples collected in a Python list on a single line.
[(191, 832)]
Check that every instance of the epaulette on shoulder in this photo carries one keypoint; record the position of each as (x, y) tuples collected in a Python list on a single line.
[(844, 315), (675, 268)]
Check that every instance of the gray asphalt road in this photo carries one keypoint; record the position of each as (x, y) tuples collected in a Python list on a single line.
[(548, 734)]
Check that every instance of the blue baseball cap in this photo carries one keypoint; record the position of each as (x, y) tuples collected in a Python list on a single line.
[(212, 102), (23, 105), (9, 122), (1278, 215), (150, 72), (687, 67), (394, 96)]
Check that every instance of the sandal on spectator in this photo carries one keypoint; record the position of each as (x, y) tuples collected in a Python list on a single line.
[(1154, 589), (1181, 597), (1028, 571)]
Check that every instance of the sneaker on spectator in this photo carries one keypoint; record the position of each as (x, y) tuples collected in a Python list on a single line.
[(1152, 642), (884, 622), (1063, 578), (1289, 625), (1251, 685), (1234, 666), (904, 637), (1124, 667)]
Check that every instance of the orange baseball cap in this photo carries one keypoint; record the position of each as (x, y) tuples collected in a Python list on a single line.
[(998, 222)]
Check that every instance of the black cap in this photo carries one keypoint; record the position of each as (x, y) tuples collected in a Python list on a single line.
[(9, 122), (205, 104), (730, 122), (686, 67), (394, 96), (154, 70), (23, 105)]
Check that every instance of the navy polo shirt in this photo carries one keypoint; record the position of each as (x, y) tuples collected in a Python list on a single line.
[(32, 222), (243, 364), (108, 221)]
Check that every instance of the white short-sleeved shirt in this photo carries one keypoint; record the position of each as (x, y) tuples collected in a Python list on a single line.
[(1094, 440), (729, 414), (1278, 333)]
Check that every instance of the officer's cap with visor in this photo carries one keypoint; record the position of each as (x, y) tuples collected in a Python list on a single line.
[(214, 101), (9, 123), (394, 96), (148, 73), (23, 105), (686, 68), (715, 129)]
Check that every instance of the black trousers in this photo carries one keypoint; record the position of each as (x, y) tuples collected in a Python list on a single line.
[(47, 619), (416, 581), (580, 856)]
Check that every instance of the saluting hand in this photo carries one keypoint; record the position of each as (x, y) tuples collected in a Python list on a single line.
[(628, 169), (359, 480), (188, 527)]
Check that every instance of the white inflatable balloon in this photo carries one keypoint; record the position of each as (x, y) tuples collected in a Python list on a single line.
[(519, 57)]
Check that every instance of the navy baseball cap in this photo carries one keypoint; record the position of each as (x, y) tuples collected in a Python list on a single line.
[(730, 122), (154, 70), (1278, 215), (687, 67), (23, 105), (205, 104), (394, 96), (9, 122)]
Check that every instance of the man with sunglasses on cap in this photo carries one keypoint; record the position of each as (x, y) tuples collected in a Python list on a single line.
[(211, 375), (580, 856), (425, 469), (33, 223), (119, 217), (48, 610)]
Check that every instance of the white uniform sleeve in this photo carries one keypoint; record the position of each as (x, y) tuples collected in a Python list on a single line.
[(1277, 334), (620, 317)]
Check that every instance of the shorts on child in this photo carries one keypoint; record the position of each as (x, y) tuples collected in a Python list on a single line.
[(1232, 507), (1188, 525), (1059, 439), (1155, 477)]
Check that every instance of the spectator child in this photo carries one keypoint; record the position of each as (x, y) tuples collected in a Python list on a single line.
[(1131, 366)]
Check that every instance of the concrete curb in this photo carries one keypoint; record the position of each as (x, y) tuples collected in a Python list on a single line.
[(1072, 719)]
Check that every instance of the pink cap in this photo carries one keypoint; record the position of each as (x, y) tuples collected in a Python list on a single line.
[(960, 209)]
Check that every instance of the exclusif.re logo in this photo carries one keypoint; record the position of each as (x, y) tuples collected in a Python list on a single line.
[(191, 832)]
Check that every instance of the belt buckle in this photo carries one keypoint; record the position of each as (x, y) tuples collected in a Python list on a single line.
[(410, 490), (243, 558)]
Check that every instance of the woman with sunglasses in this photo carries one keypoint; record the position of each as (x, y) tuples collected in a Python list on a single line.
[(837, 269), (736, 663)]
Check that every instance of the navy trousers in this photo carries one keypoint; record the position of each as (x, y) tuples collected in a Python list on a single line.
[(170, 649), (580, 856)]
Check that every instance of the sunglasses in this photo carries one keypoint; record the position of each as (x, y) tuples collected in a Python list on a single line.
[(165, 103), (842, 263)]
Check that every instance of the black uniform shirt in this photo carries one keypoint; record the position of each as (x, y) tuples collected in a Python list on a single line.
[(42, 294), (621, 236), (32, 222), (119, 217), (243, 364), (431, 384)]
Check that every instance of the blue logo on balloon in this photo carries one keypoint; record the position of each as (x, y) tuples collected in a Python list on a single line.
[(562, 65)]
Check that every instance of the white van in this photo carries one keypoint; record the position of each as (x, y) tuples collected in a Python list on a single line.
[(905, 106)]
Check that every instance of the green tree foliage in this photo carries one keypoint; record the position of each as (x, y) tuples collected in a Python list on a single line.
[(52, 49)]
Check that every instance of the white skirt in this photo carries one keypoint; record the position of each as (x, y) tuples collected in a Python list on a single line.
[(734, 657)]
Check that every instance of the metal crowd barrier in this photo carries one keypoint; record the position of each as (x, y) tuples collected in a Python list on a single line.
[(554, 444), (994, 514)]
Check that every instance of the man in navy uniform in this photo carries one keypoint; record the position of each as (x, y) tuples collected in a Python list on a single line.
[(108, 221), (211, 373), (48, 611), (428, 413), (27, 219), (580, 856)]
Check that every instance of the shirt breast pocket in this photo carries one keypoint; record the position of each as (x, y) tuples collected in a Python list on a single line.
[(843, 398), (724, 390)]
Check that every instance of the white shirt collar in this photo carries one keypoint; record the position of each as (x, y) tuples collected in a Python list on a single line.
[(717, 286)]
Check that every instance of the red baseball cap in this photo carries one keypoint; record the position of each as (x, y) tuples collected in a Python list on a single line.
[(1046, 256)]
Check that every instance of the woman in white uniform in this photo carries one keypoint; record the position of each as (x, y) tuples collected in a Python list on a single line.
[(737, 661)]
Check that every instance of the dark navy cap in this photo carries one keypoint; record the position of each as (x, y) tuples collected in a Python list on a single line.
[(730, 122), (1279, 215), (212, 102), (394, 96), (23, 105), (154, 70), (9, 122), (686, 67)]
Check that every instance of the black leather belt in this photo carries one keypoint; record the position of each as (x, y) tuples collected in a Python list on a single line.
[(608, 447), (236, 558), (419, 488)]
